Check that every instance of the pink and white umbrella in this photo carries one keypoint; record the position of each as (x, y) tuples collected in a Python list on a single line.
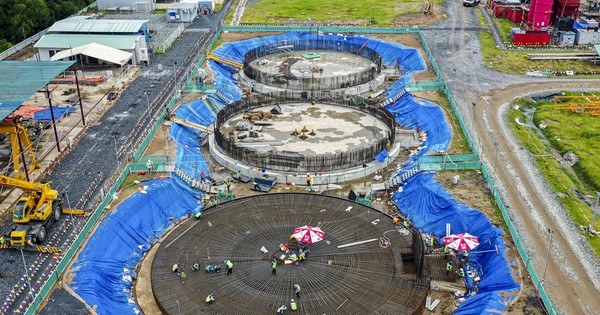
[(462, 241), (309, 234)]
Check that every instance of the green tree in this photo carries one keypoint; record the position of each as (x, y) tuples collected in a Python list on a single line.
[(20, 19)]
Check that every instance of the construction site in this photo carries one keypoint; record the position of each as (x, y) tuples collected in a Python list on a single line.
[(261, 170)]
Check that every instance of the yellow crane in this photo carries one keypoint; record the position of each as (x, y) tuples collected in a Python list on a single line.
[(35, 212), (20, 145)]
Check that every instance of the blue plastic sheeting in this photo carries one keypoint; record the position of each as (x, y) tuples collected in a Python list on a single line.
[(189, 157), (430, 208), (225, 85), (381, 156), (424, 116), (59, 112), (101, 279), (392, 54)]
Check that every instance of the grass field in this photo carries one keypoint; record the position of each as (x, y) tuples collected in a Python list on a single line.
[(331, 11), (567, 127), (579, 133)]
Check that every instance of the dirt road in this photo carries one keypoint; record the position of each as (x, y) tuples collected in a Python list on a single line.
[(572, 279)]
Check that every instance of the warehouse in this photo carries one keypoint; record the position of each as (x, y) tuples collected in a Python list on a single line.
[(51, 44)]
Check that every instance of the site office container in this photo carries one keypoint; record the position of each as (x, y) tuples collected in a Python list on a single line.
[(587, 37), (531, 39)]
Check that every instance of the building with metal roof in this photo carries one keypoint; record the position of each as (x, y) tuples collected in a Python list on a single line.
[(182, 12), (127, 5), (22, 79), (51, 44), (93, 26)]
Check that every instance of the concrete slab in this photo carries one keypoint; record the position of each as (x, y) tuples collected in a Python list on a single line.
[(338, 129)]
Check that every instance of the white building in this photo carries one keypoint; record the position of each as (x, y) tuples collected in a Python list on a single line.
[(127, 5), (182, 12), (51, 44), (204, 6)]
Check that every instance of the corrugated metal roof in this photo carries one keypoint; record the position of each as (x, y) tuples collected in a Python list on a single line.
[(97, 51), (96, 26), (181, 5), (22, 79), (64, 41)]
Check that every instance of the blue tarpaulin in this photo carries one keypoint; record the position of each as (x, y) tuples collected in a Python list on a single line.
[(59, 112), (189, 157), (381, 156), (105, 266), (430, 207)]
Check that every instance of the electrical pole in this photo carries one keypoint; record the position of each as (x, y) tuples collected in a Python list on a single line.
[(548, 254)]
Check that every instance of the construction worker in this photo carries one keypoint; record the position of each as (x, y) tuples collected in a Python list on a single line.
[(198, 215), (297, 290), (238, 175), (448, 268), (228, 184), (293, 305), (465, 255), (210, 298), (312, 183), (461, 272), (217, 268), (2, 240), (209, 268), (196, 267), (308, 181), (255, 186), (183, 276), (431, 241), (150, 165), (281, 309), (274, 266), (446, 251), (176, 267), (293, 256), (228, 266), (396, 220)]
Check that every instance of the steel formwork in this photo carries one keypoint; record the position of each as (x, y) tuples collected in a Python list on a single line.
[(361, 279)]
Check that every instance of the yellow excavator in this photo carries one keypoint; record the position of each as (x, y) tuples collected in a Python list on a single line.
[(35, 212)]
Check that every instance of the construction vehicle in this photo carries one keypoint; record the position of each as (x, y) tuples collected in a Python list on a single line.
[(20, 147), (34, 213)]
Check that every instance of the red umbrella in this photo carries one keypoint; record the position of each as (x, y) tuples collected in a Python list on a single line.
[(309, 234), (463, 241)]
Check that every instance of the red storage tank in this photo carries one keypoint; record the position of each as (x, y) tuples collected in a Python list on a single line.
[(567, 8), (540, 12)]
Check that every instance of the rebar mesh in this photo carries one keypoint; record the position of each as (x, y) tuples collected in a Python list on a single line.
[(360, 279), (295, 162), (313, 82)]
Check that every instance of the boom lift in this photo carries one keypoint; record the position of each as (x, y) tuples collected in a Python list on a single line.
[(35, 212)]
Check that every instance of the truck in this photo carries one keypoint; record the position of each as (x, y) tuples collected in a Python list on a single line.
[(34, 212), (470, 3)]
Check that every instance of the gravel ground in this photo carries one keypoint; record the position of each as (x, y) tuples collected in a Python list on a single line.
[(158, 25), (93, 160)]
